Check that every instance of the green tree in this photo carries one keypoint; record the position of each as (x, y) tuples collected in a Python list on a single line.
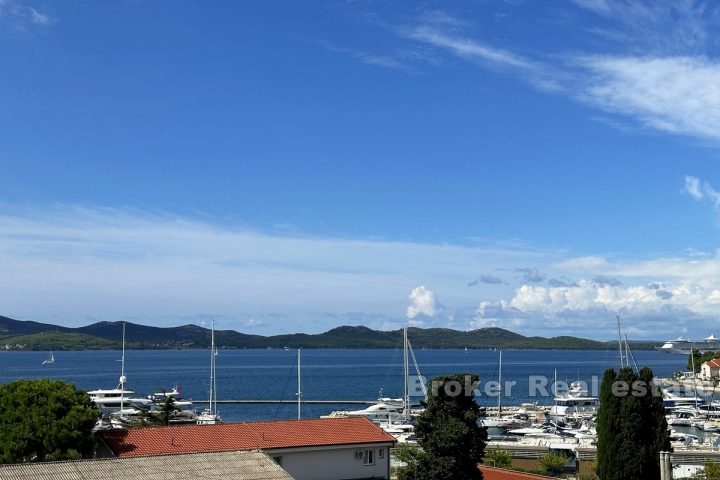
[(499, 458), (407, 452), (167, 409), (553, 463), (711, 471), (452, 442), (631, 426), (45, 420), (700, 358)]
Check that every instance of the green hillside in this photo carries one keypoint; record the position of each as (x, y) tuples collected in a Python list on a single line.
[(108, 335)]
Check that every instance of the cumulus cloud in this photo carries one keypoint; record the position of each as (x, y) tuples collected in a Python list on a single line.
[(589, 300), (422, 303)]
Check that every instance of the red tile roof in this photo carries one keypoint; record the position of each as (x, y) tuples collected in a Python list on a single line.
[(137, 442), (492, 473), (714, 363)]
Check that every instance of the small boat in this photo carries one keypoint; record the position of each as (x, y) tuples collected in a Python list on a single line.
[(50, 360)]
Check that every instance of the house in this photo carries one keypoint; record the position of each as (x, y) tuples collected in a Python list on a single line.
[(318, 449), (710, 370), (245, 465)]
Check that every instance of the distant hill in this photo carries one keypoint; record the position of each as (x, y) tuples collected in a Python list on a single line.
[(108, 335)]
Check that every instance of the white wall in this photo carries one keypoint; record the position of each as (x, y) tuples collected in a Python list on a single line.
[(332, 463), (707, 372)]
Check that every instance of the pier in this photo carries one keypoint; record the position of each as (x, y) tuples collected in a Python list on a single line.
[(294, 402)]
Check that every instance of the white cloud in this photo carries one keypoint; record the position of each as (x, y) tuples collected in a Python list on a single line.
[(661, 81), (120, 263), (699, 190), (386, 61), (469, 49), (692, 187), (21, 16), (598, 6), (583, 263), (70, 263), (422, 303), (679, 95)]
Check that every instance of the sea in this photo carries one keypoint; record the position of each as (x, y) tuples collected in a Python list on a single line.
[(326, 374)]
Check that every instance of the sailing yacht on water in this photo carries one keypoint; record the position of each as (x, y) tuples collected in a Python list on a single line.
[(210, 415), (499, 421), (50, 360), (392, 414)]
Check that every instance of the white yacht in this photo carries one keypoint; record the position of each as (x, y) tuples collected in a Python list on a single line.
[(185, 412), (384, 409), (575, 404), (116, 399), (113, 399), (388, 411)]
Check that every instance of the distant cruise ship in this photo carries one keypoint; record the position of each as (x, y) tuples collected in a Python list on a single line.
[(685, 346)]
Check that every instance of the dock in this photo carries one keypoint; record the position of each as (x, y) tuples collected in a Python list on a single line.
[(294, 402)]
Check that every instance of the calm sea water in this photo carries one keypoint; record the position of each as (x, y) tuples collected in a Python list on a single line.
[(326, 374)]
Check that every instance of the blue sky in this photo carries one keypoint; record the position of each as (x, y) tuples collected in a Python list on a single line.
[(295, 166)]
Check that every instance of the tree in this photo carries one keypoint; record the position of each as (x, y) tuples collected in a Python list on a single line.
[(45, 420), (553, 463), (699, 358), (167, 410), (499, 458), (711, 471), (631, 426), (452, 441)]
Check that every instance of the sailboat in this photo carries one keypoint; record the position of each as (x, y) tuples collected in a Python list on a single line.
[(404, 431), (50, 360), (387, 412), (210, 415), (499, 421)]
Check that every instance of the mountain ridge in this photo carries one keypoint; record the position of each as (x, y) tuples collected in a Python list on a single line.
[(42, 336)]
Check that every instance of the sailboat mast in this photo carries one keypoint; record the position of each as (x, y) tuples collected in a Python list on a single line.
[(299, 392), (692, 358), (620, 348), (500, 384), (212, 368), (406, 374), (122, 373)]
